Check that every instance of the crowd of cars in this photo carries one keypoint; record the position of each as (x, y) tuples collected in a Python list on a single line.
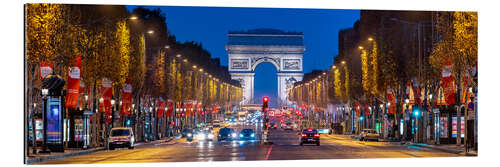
[(219, 131), (124, 136)]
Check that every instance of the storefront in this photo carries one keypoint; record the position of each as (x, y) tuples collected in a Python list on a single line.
[(77, 128), (446, 125), (38, 129)]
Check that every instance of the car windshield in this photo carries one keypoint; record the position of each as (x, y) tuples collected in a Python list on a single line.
[(224, 131), (247, 131), (187, 130), (120, 132)]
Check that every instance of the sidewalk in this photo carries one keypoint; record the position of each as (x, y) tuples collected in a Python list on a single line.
[(70, 152), (450, 148)]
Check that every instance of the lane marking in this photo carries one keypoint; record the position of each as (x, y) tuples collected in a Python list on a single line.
[(269, 152)]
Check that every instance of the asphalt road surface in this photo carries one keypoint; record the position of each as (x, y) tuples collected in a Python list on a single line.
[(285, 147)]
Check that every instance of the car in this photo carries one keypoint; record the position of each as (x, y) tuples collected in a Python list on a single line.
[(289, 126), (186, 131), (247, 134), (368, 134), (205, 135), (309, 136), (226, 134), (121, 137)]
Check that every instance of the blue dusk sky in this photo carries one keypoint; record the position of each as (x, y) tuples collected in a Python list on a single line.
[(210, 25)]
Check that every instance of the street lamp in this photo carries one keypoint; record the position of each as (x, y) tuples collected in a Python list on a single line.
[(360, 47), (178, 55), (86, 97), (101, 100), (45, 92), (151, 32), (343, 62), (407, 101), (133, 18)]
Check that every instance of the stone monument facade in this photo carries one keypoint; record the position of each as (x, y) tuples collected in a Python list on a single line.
[(247, 49)]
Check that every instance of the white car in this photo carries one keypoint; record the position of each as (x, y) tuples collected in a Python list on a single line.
[(121, 137), (368, 134)]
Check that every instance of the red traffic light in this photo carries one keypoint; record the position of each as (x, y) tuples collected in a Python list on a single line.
[(265, 99)]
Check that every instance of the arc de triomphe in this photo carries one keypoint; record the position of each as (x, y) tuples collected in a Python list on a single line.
[(247, 49)]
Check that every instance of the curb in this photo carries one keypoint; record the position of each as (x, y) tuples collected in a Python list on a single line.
[(38, 160), (437, 148)]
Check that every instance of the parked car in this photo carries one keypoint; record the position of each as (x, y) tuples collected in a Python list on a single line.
[(121, 137), (368, 134), (309, 136)]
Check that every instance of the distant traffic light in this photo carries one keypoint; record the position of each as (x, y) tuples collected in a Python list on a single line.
[(265, 99), (416, 113)]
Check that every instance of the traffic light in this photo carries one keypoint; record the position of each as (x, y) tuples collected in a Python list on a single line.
[(265, 99), (265, 108), (416, 113), (182, 114)]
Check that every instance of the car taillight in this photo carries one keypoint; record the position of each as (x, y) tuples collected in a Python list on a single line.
[(316, 135), (304, 135)]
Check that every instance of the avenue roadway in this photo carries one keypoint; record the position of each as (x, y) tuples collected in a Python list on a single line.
[(285, 147)]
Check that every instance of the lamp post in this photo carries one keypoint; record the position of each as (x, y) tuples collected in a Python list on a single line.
[(45, 92), (112, 112)]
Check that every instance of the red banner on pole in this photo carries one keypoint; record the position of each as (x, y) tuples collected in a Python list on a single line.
[(448, 84), (391, 105), (45, 69), (416, 92), (161, 109), (367, 110), (170, 107), (106, 94), (188, 109), (126, 99), (358, 112), (73, 84)]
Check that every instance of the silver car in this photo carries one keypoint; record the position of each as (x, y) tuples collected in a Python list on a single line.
[(121, 137), (368, 134)]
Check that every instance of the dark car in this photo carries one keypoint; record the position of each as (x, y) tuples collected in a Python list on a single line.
[(309, 136), (247, 134), (226, 134), (187, 132)]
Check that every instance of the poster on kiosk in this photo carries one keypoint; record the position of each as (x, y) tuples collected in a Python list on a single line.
[(54, 124)]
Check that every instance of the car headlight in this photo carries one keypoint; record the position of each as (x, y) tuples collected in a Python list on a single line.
[(234, 134), (252, 135), (210, 136), (189, 134), (241, 135)]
